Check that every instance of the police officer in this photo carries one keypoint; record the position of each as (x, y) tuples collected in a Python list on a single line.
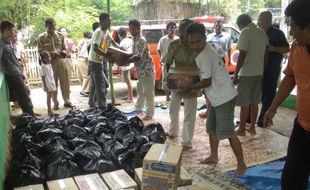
[(53, 42)]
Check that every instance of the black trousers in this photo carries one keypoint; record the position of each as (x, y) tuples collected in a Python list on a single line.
[(18, 92), (269, 89), (296, 170)]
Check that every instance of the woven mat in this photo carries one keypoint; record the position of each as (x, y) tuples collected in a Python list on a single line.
[(210, 178), (263, 147)]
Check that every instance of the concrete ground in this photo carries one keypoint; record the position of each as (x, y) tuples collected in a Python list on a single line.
[(283, 120)]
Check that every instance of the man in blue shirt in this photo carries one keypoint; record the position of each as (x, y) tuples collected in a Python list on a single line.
[(278, 45)]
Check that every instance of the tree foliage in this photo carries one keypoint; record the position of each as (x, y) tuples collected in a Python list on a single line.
[(76, 15)]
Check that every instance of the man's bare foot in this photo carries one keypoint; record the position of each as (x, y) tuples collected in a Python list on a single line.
[(252, 130), (241, 170), (210, 161), (240, 132), (129, 101)]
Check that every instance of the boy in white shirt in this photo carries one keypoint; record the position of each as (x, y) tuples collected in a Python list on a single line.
[(221, 93)]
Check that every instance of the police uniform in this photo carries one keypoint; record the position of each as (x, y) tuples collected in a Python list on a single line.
[(61, 68)]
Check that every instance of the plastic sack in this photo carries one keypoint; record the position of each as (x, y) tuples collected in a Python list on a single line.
[(116, 150), (99, 165), (86, 152), (73, 131), (56, 143), (93, 122), (112, 113), (144, 149), (22, 175), (60, 164), (102, 138), (80, 140), (122, 130), (48, 133), (155, 132), (136, 125)]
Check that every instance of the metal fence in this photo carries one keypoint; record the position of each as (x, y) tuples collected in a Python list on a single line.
[(33, 67)]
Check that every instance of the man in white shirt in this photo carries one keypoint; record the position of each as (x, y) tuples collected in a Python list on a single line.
[(162, 49), (222, 43), (221, 94), (253, 48), (126, 44)]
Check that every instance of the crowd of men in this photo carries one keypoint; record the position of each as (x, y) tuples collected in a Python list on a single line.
[(258, 68)]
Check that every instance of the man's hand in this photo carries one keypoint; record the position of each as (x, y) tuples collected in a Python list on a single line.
[(96, 49), (229, 63), (45, 89), (268, 118), (272, 48), (236, 80)]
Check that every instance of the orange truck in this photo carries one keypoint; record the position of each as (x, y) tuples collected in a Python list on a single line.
[(154, 32)]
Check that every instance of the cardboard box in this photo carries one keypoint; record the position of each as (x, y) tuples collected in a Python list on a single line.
[(185, 177), (90, 182), (182, 76), (118, 54), (161, 167), (119, 180), (30, 187), (61, 184)]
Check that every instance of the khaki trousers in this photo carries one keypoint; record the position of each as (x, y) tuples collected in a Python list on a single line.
[(83, 74), (62, 73), (190, 109), (146, 93)]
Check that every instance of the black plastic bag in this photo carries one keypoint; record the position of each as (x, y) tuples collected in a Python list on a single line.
[(136, 125), (86, 152), (155, 132), (102, 138), (48, 133), (116, 150), (74, 131), (125, 160), (23, 121), (56, 143), (60, 164), (80, 140), (93, 122), (139, 141), (36, 125), (116, 123), (129, 140), (108, 145), (122, 130), (73, 120), (144, 149), (93, 113), (27, 142), (28, 157), (22, 175), (112, 113), (99, 165), (101, 127)]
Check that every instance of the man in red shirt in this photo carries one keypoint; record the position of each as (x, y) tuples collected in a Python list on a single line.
[(297, 167)]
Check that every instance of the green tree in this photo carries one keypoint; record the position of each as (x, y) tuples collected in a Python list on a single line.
[(76, 15)]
